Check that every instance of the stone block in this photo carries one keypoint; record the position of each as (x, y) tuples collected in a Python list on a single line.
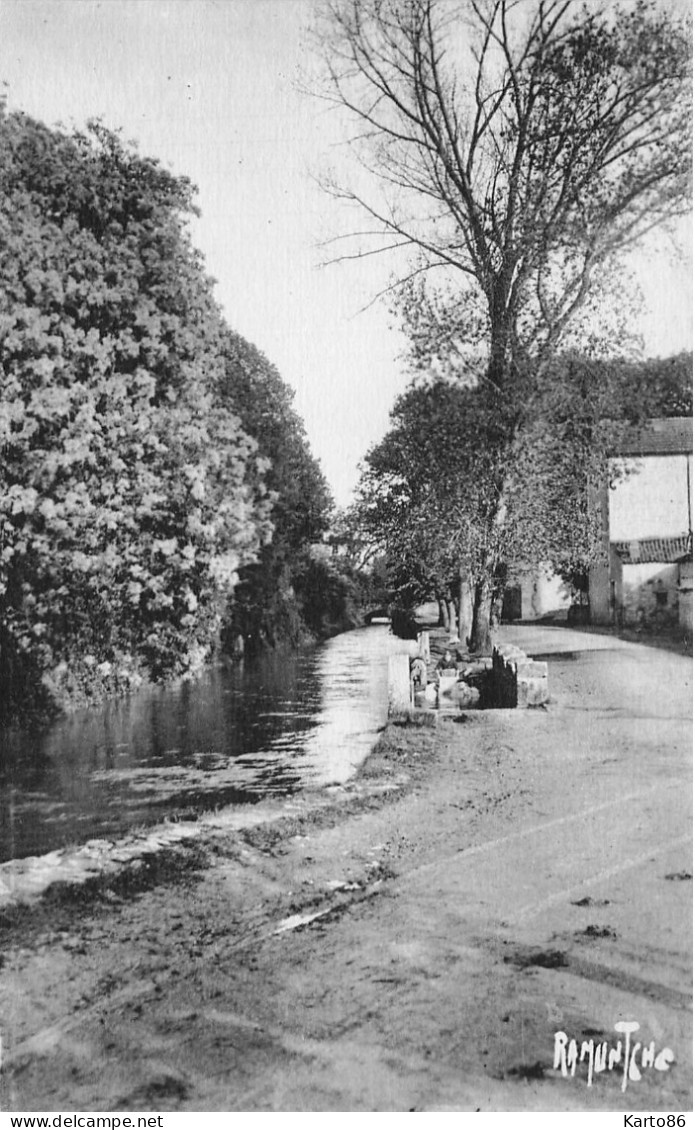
[(518, 681), (399, 698), (532, 692), (531, 669)]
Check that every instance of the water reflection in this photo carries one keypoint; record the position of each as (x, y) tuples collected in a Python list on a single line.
[(270, 726)]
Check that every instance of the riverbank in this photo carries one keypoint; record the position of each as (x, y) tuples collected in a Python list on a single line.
[(410, 939)]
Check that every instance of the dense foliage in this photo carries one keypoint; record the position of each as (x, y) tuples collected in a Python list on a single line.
[(660, 387), (146, 453), (265, 608)]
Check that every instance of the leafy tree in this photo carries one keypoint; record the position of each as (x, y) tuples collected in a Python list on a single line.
[(129, 497), (662, 387), (265, 608), (418, 486), (523, 148), (329, 594), (428, 486)]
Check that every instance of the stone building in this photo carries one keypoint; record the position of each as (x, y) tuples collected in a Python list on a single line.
[(646, 580), (535, 594)]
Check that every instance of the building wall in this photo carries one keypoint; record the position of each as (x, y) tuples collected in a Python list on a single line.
[(685, 596), (600, 589), (652, 500), (649, 596), (543, 594), (599, 595)]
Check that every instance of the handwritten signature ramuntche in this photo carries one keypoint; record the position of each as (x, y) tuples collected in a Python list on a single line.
[(633, 1057)]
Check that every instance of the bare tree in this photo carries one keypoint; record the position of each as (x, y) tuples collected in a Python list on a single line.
[(523, 144)]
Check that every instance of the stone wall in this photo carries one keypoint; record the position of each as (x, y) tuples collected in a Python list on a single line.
[(517, 680)]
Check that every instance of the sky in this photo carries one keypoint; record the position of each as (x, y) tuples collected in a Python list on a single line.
[(213, 88)]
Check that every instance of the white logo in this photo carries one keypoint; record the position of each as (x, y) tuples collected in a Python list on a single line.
[(633, 1058)]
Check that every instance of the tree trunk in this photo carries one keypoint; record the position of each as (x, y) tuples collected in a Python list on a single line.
[(481, 640), (443, 613), (500, 325), (451, 609), (465, 609)]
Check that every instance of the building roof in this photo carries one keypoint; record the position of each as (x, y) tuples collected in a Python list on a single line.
[(644, 551), (672, 435)]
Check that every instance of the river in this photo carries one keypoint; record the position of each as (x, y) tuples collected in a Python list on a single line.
[(272, 725)]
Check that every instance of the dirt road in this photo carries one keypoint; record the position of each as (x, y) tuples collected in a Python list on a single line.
[(413, 940)]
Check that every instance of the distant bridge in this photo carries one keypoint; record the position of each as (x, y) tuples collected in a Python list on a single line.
[(377, 614)]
